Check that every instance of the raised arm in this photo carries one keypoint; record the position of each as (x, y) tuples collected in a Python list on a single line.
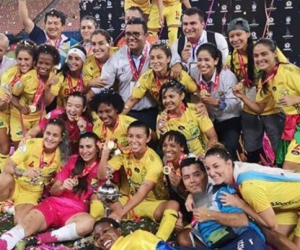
[(24, 17), (256, 107)]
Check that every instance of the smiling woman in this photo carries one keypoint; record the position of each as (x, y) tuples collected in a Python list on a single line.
[(271, 192), (180, 116), (70, 79), (153, 79), (72, 189), (28, 104), (32, 167), (75, 115), (25, 55)]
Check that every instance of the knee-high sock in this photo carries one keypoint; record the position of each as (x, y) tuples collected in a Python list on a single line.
[(9, 239), (3, 160), (97, 209), (167, 224), (172, 34), (65, 233)]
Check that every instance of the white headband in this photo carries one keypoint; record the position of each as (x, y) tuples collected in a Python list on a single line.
[(77, 52)]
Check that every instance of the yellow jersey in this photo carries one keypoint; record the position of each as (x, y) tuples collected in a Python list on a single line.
[(66, 86), (237, 69), (286, 81), (192, 127), (31, 155), (119, 134), (148, 168), (138, 240), (26, 90), (9, 78), (148, 83)]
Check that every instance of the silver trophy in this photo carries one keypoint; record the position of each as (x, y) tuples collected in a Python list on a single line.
[(108, 193)]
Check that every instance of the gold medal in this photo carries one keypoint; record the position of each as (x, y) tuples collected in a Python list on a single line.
[(167, 170), (75, 182), (110, 145), (32, 108)]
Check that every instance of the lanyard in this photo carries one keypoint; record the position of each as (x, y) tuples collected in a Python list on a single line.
[(79, 85), (136, 72), (272, 75), (203, 85), (44, 164), (248, 82)]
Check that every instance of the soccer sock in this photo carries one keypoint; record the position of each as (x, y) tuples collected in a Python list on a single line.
[(65, 233), (97, 209), (172, 35), (3, 160), (167, 224), (9, 239)]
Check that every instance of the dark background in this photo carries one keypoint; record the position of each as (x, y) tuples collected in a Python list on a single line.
[(282, 26)]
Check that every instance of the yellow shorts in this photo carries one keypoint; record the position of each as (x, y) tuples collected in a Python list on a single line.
[(289, 218), (143, 4), (4, 120), (144, 209), (172, 14), (22, 195), (293, 152), (16, 127)]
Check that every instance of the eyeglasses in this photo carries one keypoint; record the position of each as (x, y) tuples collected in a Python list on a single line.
[(134, 34)]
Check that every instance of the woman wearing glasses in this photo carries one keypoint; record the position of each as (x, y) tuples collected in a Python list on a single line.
[(151, 81), (25, 55), (67, 208), (215, 86), (88, 25), (32, 167), (75, 116), (178, 115)]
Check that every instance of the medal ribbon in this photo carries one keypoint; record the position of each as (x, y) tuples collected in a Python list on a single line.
[(79, 85), (182, 109), (56, 44), (42, 163), (86, 171), (15, 80), (248, 82), (136, 72), (39, 92), (202, 85), (272, 75), (104, 128)]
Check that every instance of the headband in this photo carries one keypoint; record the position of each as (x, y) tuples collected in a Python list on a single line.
[(77, 52)]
